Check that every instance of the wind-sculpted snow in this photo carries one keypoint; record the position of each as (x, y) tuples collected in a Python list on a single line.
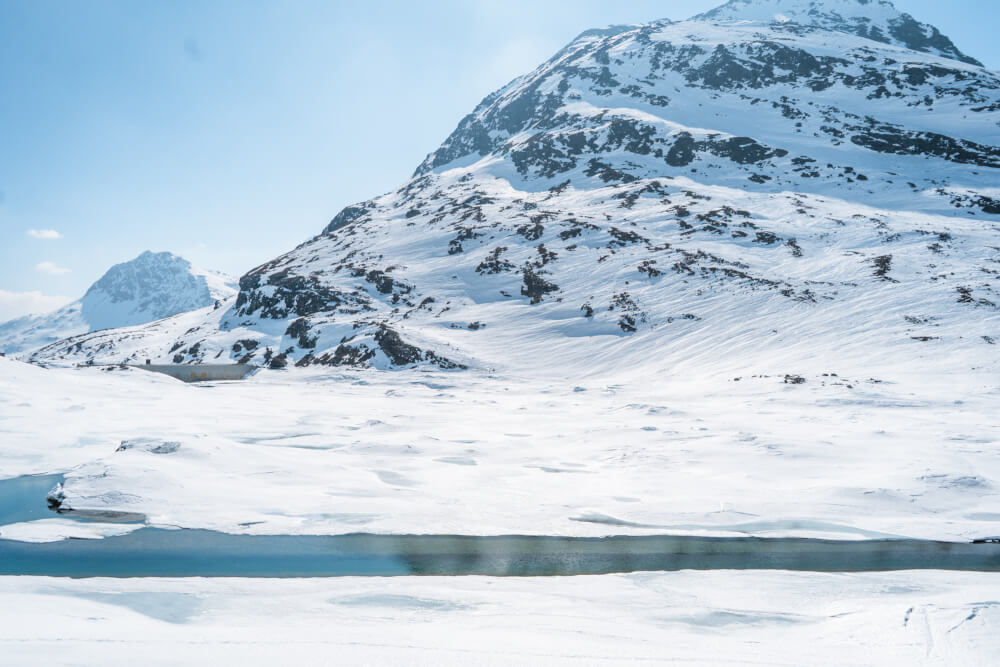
[(814, 449), (691, 618), (773, 178)]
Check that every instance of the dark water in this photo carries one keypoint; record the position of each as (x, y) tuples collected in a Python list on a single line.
[(152, 552), (23, 498), (155, 552)]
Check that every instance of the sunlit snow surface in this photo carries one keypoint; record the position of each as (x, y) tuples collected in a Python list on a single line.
[(696, 618), (890, 451), (301, 452), (787, 328)]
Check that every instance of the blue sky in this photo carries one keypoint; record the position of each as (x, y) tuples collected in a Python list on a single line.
[(231, 131)]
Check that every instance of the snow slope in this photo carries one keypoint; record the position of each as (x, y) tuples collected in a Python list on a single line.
[(719, 194), (150, 287)]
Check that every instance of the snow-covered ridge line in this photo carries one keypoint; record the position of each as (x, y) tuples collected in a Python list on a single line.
[(712, 193), (878, 20)]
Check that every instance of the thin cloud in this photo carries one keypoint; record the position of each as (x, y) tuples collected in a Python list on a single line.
[(51, 268), (18, 304), (44, 234)]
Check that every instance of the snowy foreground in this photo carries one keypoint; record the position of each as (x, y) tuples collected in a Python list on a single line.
[(436, 452), (296, 452), (752, 618)]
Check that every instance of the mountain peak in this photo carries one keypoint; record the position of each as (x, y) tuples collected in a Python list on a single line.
[(802, 10), (149, 287), (878, 20), (727, 192)]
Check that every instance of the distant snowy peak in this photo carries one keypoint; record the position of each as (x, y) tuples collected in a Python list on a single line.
[(150, 287), (878, 20)]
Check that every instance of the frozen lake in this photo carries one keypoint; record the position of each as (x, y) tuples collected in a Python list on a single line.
[(153, 552), (23, 498), (264, 475)]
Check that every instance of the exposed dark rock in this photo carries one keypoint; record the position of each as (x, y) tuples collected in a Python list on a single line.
[(647, 267), (386, 284), (607, 173), (883, 265), (624, 237), (531, 232), (401, 353), (886, 138), (766, 238), (535, 287), (300, 329), (630, 315), (289, 294), (494, 264), (243, 344), (346, 217), (921, 37)]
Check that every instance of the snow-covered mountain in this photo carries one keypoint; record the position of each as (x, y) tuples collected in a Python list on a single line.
[(878, 20), (774, 184), (148, 288)]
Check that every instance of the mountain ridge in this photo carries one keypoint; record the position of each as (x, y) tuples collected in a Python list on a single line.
[(715, 192), (878, 20)]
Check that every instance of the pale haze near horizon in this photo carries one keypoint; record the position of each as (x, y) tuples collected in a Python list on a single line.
[(229, 132)]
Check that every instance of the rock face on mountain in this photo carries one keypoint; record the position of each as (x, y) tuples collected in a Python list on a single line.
[(877, 20), (770, 183), (148, 288)]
